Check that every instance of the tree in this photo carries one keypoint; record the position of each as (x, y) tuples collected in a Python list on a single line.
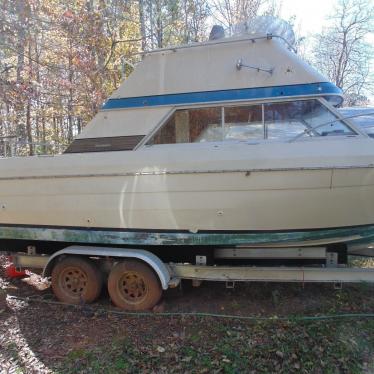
[(232, 12), (60, 59), (194, 14), (171, 22), (341, 51)]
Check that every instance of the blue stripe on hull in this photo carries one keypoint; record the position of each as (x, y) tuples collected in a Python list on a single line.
[(323, 88), (148, 238)]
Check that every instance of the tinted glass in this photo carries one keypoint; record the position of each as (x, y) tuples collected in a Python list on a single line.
[(191, 125)]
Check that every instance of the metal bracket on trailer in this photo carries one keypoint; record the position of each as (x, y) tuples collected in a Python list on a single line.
[(153, 261)]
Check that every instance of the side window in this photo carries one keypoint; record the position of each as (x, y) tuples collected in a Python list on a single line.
[(207, 125), (289, 119), (277, 120), (243, 123), (285, 119), (191, 126)]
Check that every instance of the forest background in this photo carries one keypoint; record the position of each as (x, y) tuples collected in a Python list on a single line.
[(61, 59)]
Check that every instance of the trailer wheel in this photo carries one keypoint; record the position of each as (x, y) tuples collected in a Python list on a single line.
[(76, 279), (133, 285)]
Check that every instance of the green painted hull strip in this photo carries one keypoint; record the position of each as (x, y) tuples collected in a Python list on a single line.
[(147, 238)]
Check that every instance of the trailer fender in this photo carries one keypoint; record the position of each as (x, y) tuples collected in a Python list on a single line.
[(149, 258)]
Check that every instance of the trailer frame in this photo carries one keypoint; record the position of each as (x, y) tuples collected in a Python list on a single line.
[(170, 274)]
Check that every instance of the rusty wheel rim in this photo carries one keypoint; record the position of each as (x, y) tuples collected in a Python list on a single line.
[(132, 287), (73, 281)]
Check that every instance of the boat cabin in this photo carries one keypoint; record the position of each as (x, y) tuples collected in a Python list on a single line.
[(242, 88)]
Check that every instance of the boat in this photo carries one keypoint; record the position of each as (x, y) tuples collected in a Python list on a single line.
[(230, 142)]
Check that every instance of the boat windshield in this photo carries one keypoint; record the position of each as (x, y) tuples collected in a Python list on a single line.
[(264, 25), (362, 117), (274, 120), (289, 119)]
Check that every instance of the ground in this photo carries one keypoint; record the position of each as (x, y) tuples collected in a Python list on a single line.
[(38, 337)]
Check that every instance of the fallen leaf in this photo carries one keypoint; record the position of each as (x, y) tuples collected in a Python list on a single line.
[(279, 354)]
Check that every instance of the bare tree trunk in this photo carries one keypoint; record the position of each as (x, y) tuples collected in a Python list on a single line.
[(37, 94), (142, 25), (21, 40), (70, 98), (21, 34), (151, 22), (28, 109), (56, 134), (1, 122), (28, 128), (159, 25), (43, 135)]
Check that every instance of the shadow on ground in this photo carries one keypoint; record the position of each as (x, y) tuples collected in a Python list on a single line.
[(41, 337)]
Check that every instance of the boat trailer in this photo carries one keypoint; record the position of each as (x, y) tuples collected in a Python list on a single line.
[(170, 274)]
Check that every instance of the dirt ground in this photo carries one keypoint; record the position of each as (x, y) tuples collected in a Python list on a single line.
[(38, 337)]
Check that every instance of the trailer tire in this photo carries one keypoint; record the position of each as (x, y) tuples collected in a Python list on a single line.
[(76, 280), (133, 285)]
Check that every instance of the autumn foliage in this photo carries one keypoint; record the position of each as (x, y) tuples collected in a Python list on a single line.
[(60, 60)]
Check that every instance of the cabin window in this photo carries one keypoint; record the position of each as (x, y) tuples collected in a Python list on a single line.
[(243, 123), (275, 120), (211, 125), (289, 119), (190, 126)]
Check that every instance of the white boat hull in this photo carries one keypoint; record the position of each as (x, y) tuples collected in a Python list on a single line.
[(237, 188)]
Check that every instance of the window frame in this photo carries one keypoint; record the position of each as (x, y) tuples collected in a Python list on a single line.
[(355, 130)]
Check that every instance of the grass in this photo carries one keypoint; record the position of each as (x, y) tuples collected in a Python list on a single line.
[(70, 340), (232, 347)]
